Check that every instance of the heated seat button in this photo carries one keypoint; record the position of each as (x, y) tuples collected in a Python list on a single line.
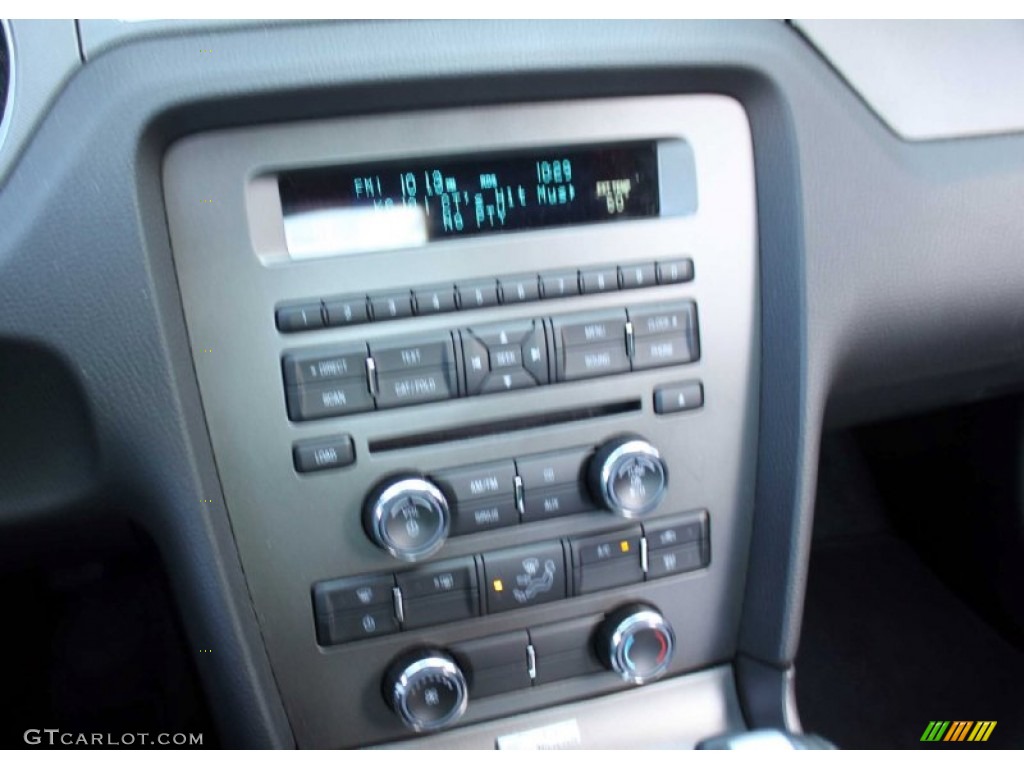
[(372, 621), (669, 562), (354, 609), (526, 576), (496, 664), (664, 534), (323, 453)]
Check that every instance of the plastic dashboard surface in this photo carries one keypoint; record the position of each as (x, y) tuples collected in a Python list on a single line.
[(295, 530)]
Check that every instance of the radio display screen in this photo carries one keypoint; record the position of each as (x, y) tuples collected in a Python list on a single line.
[(381, 206)]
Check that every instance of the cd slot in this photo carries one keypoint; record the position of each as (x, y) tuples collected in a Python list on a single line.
[(503, 426)]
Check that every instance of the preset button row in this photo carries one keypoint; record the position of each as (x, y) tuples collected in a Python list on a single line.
[(334, 312)]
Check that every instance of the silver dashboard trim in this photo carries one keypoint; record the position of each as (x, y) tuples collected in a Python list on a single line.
[(12, 81), (294, 530)]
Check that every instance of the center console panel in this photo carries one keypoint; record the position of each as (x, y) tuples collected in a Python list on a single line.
[(474, 474)]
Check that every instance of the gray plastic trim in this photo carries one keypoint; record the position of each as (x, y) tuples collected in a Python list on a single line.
[(672, 714), (930, 79), (44, 55), (767, 695), (99, 35), (676, 163)]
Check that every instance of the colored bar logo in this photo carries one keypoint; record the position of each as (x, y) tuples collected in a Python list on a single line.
[(958, 730)]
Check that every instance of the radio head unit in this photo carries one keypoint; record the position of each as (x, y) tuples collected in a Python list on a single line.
[(482, 388)]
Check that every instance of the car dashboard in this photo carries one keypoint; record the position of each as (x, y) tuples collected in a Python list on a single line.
[(468, 379)]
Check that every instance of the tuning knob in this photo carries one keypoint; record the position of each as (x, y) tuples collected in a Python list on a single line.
[(628, 476), (426, 689), (636, 642), (408, 517)]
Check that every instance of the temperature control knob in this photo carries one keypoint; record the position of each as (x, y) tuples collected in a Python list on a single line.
[(426, 689), (408, 517), (628, 476), (636, 642)]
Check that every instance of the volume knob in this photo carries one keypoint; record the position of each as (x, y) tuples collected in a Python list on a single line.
[(628, 476), (408, 517)]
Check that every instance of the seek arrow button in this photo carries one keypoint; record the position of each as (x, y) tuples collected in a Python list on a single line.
[(504, 381)]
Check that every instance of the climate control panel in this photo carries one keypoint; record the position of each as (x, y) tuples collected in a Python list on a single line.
[(431, 688), (364, 607)]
